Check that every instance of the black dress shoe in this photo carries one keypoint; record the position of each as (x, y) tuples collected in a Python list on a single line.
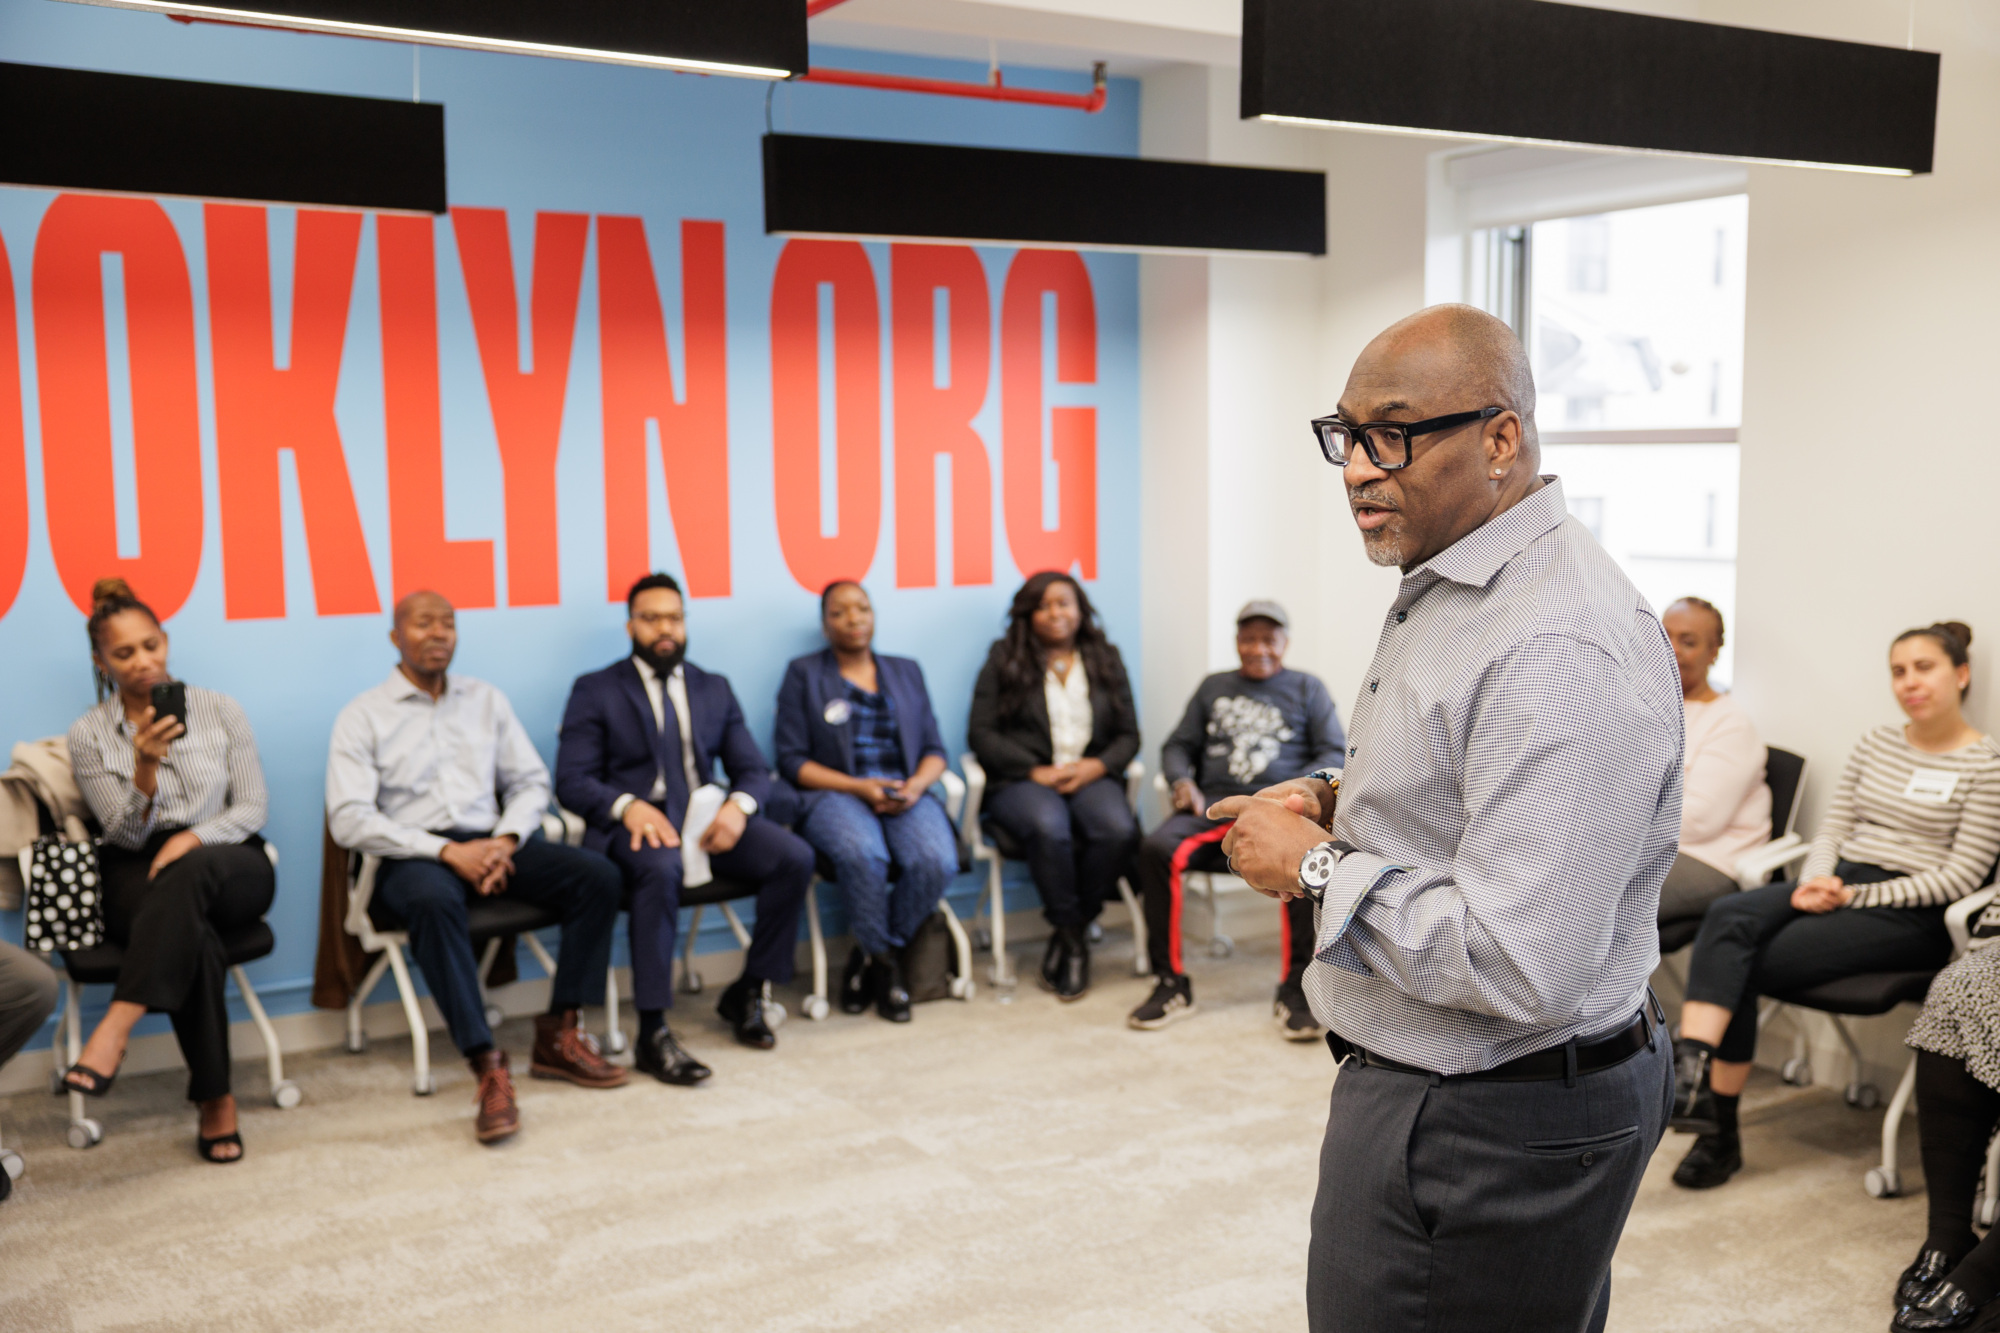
[(742, 1007), (668, 1061), (1052, 958), (892, 996), (854, 993), (1711, 1162), (1074, 978), (1694, 1103), (1947, 1306), (1922, 1276)]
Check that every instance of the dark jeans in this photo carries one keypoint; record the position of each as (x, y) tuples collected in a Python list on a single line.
[(1077, 845), (1756, 943), (1457, 1204), (1185, 842), (769, 856), (863, 845), (580, 887), (169, 927)]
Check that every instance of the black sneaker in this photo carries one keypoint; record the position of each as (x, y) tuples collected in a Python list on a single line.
[(1711, 1162), (1694, 1103), (1293, 1014), (1172, 998)]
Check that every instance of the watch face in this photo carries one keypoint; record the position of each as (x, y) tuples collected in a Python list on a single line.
[(1317, 872)]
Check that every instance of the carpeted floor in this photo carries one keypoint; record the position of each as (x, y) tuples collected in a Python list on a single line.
[(1026, 1166)]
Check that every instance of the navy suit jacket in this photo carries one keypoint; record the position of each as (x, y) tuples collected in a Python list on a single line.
[(609, 745), (802, 733)]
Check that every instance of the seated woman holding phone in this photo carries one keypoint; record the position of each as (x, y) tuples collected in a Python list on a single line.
[(171, 773), (855, 734)]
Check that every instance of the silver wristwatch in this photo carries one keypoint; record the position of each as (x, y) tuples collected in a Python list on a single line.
[(1316, 870)]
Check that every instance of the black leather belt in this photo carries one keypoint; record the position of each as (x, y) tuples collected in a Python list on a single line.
[(1565, 1061)]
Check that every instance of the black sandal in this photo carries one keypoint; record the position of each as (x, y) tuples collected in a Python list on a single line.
[(99, 1085), (207, 1146)]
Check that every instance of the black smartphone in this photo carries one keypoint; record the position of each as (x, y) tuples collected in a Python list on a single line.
[(170, 699)]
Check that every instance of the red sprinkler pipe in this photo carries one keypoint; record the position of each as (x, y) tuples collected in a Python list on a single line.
[(991, 91)]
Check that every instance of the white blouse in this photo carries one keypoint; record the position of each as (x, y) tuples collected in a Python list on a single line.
[(1070, 713)]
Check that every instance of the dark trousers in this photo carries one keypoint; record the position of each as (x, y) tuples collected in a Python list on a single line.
[(1077, 845), (1460, 1206), (768, 855), (169, 927), (29, 989), (580, 887), (1186, 842), (1756, 943), (1956, 1115)]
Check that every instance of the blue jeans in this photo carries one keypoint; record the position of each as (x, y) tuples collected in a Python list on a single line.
[(579, 886), (863, 845)]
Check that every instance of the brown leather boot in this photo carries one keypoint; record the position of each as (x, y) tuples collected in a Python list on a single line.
[(564, 1050), (498, 1116)]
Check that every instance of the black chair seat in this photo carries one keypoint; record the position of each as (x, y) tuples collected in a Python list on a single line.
[(1676, 935), (717, 890), (1865, 995), (484, 918), (1003, 841), (99, 966)]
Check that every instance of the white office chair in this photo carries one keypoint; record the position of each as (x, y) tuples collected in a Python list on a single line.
[(491, 920), (980, 848), (962, 986), (99, 966)]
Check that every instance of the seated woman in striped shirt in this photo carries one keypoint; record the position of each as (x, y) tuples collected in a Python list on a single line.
[(1913, 826), (180, 806)]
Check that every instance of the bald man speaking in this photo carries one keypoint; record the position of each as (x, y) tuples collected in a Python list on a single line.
[(1486, 869)]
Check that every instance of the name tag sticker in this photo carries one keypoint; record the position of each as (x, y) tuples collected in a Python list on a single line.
[(1931, 784), (837, 712)]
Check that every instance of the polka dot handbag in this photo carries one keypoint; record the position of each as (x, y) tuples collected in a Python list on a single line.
[(64, 909)]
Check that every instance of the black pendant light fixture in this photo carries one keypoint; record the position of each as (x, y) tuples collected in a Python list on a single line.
[(1538, 71), (757, 39)]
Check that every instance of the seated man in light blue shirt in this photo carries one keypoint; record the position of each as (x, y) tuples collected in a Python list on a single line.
[(435, 775)]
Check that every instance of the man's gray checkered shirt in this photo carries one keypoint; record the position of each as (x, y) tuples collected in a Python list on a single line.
[(1513, 788)]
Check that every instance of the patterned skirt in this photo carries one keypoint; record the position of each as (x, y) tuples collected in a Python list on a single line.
[(1961, 1018)]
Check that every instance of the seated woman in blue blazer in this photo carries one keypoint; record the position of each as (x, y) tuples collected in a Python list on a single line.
[(856, 735)]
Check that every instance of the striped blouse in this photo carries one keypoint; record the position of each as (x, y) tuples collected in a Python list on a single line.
[(210, 783), (1935, 817)]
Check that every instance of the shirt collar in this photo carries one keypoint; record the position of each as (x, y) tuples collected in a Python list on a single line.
[(649, 676), (1482, 553), (401, 687)]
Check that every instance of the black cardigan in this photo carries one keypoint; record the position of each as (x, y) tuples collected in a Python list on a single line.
[(1009, 746)]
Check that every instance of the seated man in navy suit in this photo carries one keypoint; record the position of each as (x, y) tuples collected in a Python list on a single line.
[(638, 739)]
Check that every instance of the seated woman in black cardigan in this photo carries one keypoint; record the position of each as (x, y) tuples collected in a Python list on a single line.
[(856, 735), (1053, 723)]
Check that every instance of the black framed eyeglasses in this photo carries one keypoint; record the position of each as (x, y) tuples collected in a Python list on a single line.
[(1387, 443)]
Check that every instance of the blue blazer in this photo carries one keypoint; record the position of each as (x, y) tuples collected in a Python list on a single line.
[(609, 745), (803, 732)]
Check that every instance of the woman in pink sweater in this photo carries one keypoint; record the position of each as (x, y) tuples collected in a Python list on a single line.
[(1725, 802)]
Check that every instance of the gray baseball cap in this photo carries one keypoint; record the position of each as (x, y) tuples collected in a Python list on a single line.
[(1266, 609)]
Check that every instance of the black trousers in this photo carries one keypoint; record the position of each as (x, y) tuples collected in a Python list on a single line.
[(170, 929), (1756, 943), (1460, 1206), (1077, 845), (1184, 842)]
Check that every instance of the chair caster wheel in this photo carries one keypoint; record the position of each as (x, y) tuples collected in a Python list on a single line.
[(982, 939), (11, 1165), (1221, 947), (963, 988), (1093, 934), (1864, 1096), (85, 1133), (1882, 1184), (816, 1008), (286, 1095), (424, 1087), (1797, 1072), (774, 1014), (494, 1018)]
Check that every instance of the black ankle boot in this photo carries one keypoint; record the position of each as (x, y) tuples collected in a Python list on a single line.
[(1074, 978), (854, 983), (1053, 956), (1711, 1162), (892, 994)]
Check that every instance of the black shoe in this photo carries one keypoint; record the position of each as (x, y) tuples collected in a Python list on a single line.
[(1074, 979), (892, 997), (1947, 1306), (1293, 1015), (854, 994), (1694, 1103), (1922, 1276), (1711, 1162), (1053, 957), (1172, 999), (668, 1061), (742, 1007)]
